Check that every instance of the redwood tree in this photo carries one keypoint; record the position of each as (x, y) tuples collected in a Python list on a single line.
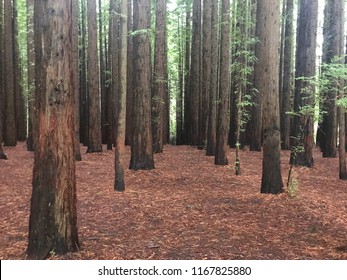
[(2, 154), (119, 184), (224, 87), (53, 219), (141, 146), (94, 118), (10, 134), (160, 76), (305, 69), (268, 33)]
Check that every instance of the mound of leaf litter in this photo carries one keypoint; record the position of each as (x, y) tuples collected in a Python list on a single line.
[(187, 208)]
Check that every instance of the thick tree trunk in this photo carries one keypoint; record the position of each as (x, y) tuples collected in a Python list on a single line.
[(94, 119), (212, 108), (53, 219), (179, 97), (10, 134), (224, 87), (287, 75), (268, 18), (160, 74), (142, 148), (305, 69), (333, 43)]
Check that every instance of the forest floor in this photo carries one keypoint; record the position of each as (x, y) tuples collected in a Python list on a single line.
[(187, 208)]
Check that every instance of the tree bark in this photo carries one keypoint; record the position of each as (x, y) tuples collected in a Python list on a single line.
[(268, 19), (287, 75), (94, 119), (160, 77), (212, 108), (2, 153), (195, 81), (142, 148), (32, 118), (224, 87), (53, 219), (305, 69), (206, 72), (333, 20), (10, 133), (119, 184)]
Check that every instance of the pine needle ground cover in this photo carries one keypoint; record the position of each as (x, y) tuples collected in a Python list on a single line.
[(187, 208)]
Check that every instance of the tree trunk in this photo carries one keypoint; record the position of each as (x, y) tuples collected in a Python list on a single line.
[(212, 108), (195, 81), (224, 87), (32, 118), (94, 119), (305, 69), (160, 74), (268, 19), (2, 153), (179, 96), (119, 184), (75, 78), (187, 83), (257, 108), (53, 219), (333, 20), (142, 148), (103, 98), (10, 133), (287, 75), (18, 88), (83, 77), (206, 72), (130, 80)]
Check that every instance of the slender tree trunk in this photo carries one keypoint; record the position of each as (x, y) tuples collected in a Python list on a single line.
[(18, 88), (224, 87), (130, 80), (53, 218), (212, 108), (94, 136), (119, 184), (32, 118), (195, 81), (83, 78), (206, 72), (142, 148), (103, 98), (160, 70), (257, 108), (2, 153), (179, 97), (268, 18), (187, 83), (10, 134), (305, 69), (75, 78), (287, 75)]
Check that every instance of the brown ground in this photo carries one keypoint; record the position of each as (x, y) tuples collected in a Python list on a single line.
[(187, 208)]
